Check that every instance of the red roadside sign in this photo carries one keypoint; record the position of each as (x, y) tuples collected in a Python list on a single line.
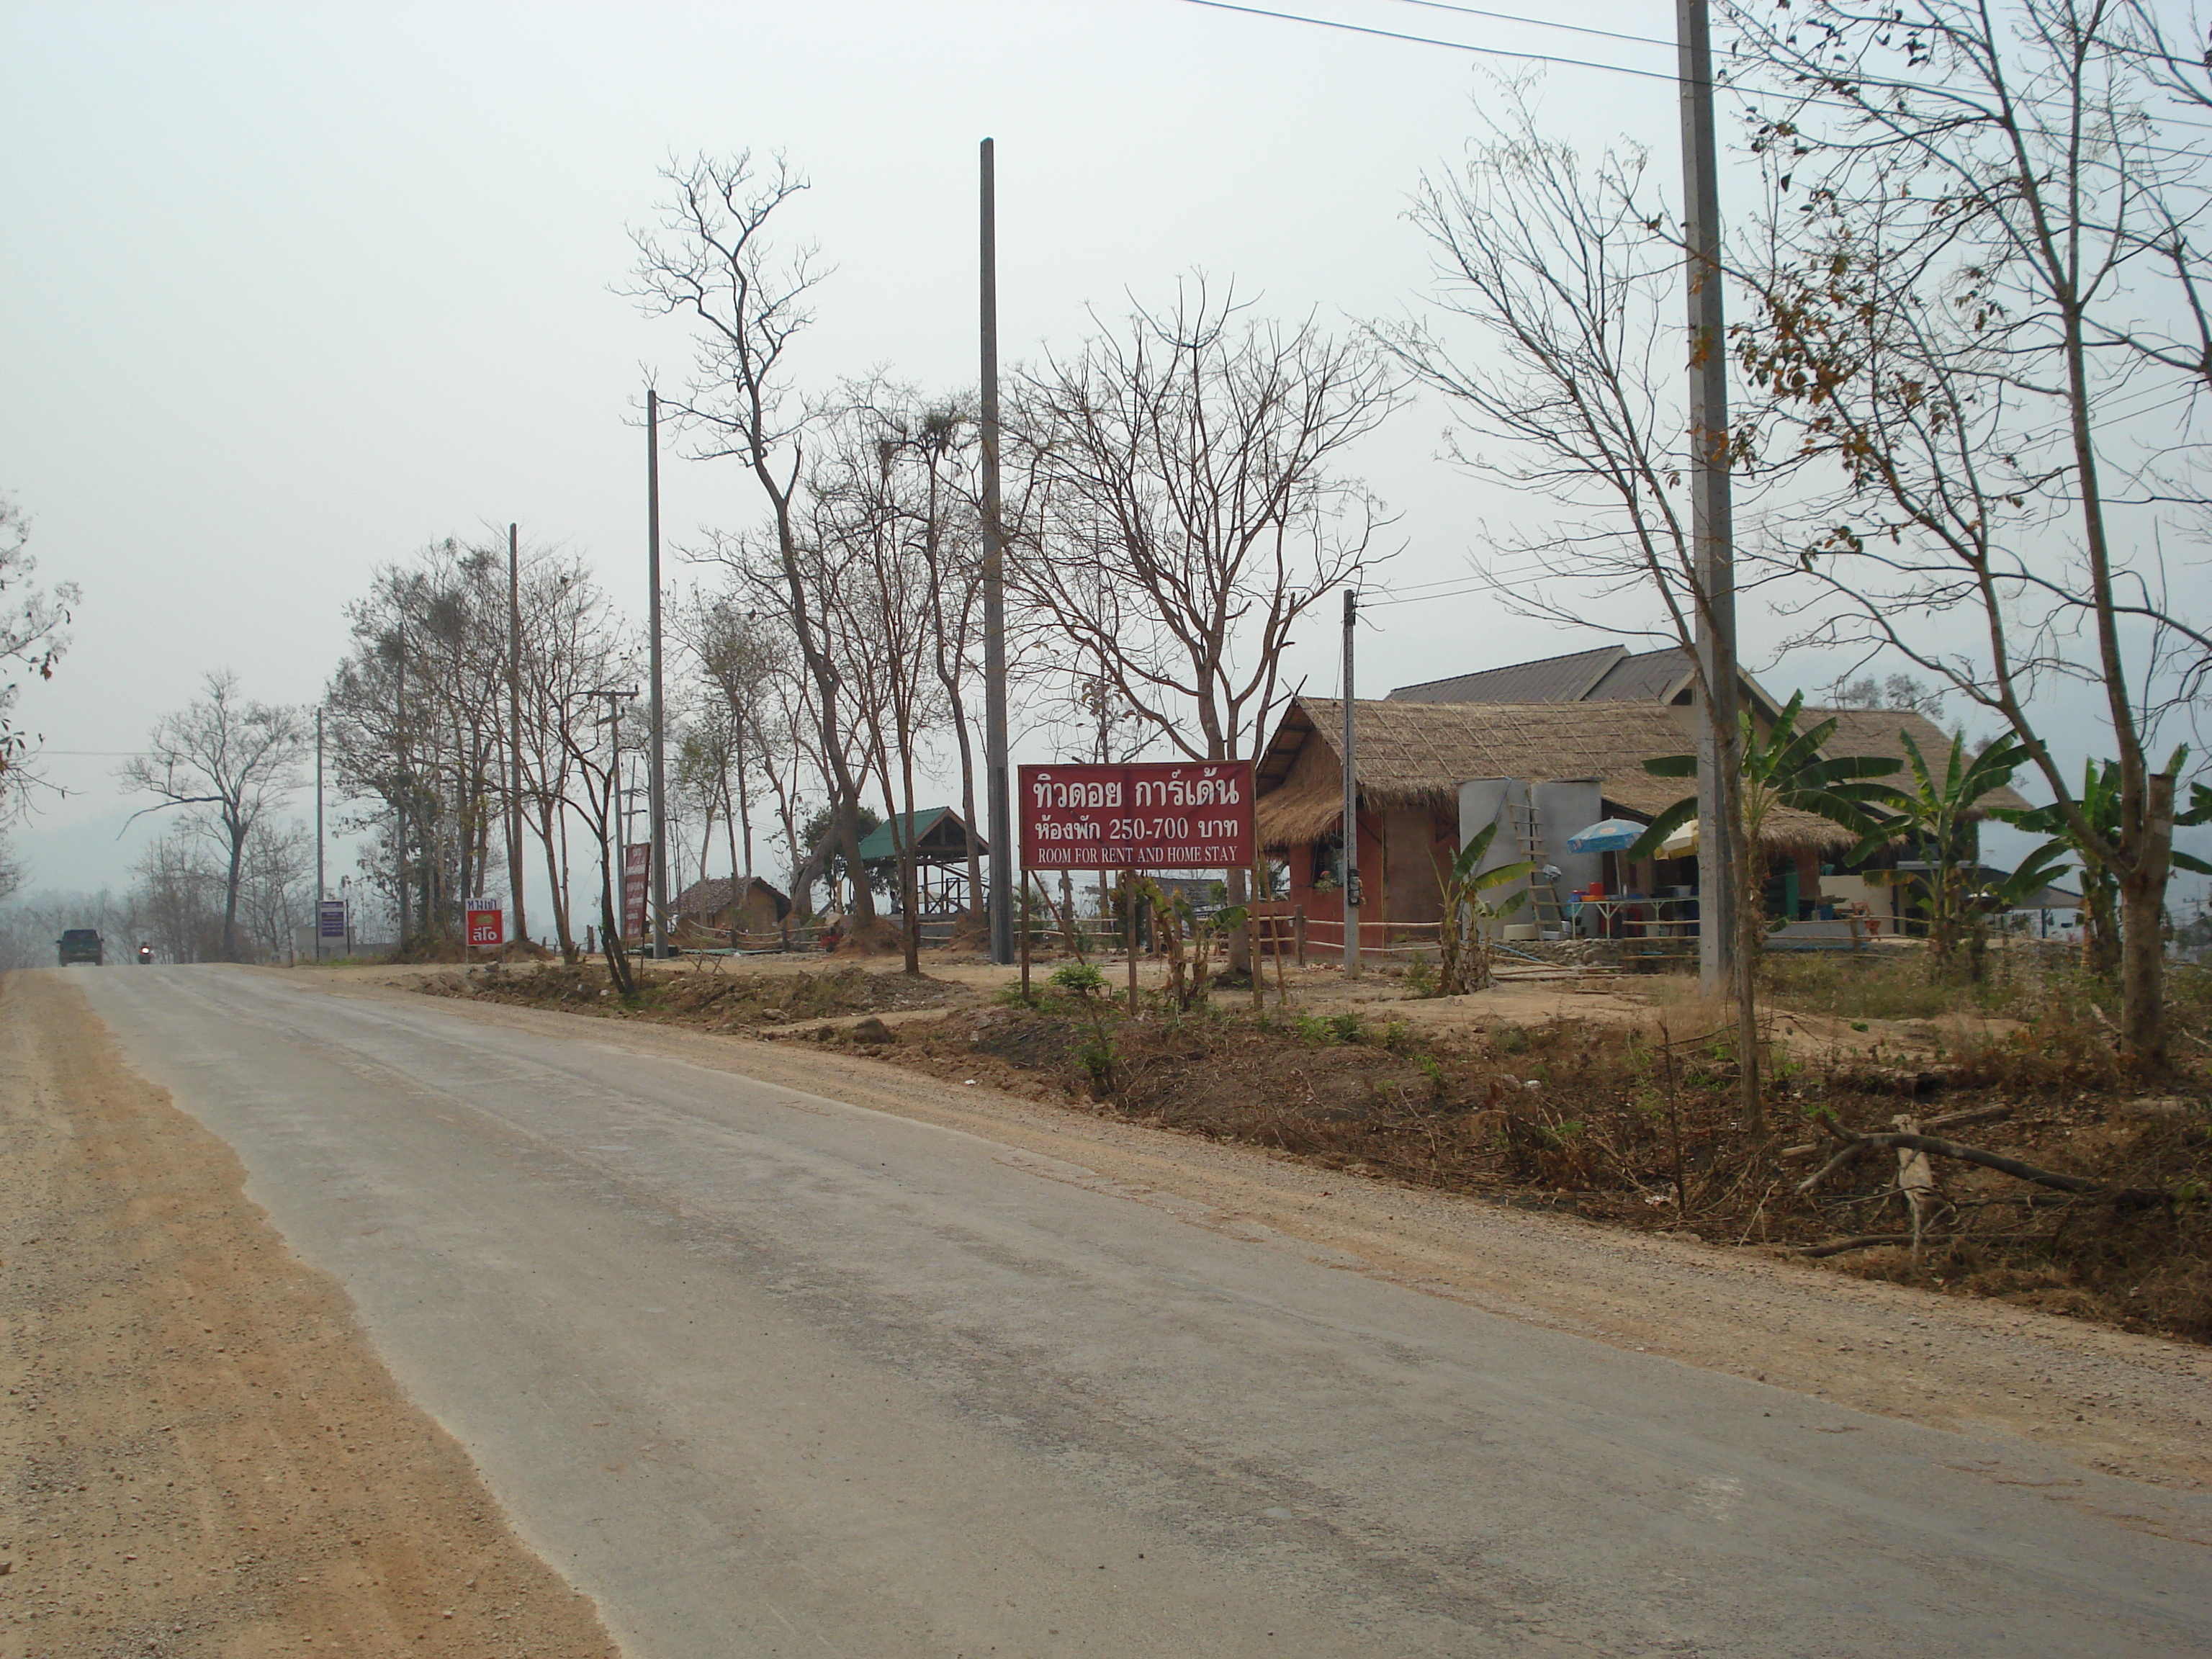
[(637, 870), (487, 923), (1147, 815)]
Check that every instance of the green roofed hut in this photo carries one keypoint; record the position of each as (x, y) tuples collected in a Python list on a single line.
[(945, 850)]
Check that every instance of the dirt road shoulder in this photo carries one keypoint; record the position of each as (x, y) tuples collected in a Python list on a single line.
[(2131, 1406), (205, 1455)]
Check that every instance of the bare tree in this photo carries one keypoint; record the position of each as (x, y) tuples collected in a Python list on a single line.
[(277, 870), (227, 761), (1568, 392), (572, 642), (1981, 321), (711, 261), (739, 652), (32, 640), (1190, 507), (1188, 459)]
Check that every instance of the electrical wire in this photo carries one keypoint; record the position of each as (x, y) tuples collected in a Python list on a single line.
[(1860, 107), (1431, 40), (1541, 23)]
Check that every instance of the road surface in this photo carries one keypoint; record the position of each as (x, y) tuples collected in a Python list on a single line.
[(767, 1373)]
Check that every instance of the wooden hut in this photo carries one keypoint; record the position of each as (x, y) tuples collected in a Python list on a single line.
[(711, 911)]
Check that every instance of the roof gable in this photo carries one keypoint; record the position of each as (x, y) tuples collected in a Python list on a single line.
[(937, 831)]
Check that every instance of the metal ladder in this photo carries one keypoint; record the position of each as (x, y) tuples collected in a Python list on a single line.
[(1545, 909)]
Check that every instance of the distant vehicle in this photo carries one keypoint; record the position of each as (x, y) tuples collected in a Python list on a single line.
[(145, 955), (79, 944)]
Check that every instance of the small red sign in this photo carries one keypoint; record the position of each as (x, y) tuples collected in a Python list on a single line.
[(1149, 815), (637, 877), (487, 924)]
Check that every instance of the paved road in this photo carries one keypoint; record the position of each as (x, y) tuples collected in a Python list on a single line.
[(767, 1374)]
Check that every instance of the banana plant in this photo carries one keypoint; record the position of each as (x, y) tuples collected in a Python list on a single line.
[(2100, 801), (1463, 946), (1784, 768), (1935, 813)]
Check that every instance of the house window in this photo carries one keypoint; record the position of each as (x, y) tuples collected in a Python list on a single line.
[(1328, 862)]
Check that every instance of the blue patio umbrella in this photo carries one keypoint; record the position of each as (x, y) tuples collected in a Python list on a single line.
[(1606, 835)]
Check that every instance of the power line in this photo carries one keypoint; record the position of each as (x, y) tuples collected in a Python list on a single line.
[(1861, 108), (1431, 40), (1541, 23)]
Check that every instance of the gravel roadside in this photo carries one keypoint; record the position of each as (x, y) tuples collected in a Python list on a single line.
[(205, 1455)]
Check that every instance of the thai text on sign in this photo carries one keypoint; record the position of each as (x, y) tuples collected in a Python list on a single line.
[(637, 870), (1148, 815), (487, 923)]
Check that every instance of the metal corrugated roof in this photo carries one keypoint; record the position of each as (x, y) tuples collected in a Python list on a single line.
[(1645, 676), (1552, 679)]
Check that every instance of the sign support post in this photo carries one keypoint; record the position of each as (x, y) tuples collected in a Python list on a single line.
[(1159, 815), (1129, 932)]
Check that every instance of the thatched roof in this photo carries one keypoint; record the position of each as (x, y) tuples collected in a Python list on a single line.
[(717, 894), (1418, 754), (1874, 732)]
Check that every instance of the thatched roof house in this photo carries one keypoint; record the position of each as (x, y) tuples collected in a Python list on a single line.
[(747, 904), (1416, 755), (1571, 753)]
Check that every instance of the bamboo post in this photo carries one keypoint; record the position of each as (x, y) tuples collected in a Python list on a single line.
[(1298, 930)]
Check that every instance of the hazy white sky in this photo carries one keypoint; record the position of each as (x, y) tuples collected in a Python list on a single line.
[(291, 289)]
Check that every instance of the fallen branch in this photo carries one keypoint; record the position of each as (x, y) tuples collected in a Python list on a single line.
[(1998, 1161), (2120, 1198), (1950, 1121)]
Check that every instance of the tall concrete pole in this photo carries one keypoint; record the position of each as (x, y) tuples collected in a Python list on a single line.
[(1001, 832), (658, 773), (1351, 800), (514, 733), (1712, 521), (321, 892), (406, 787)]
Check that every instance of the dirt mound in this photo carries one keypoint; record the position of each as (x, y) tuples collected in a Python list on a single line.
[(724, 1002), (876, 938)]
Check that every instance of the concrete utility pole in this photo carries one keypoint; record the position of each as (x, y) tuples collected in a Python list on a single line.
[(1001, 831), (400, 721), (321, 892), (514, 733), (657, 774), (1351, 801), (1712, 521)]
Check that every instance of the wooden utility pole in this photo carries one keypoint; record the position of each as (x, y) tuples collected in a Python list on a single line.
[(514, 733), (657, 775), (1712, 522), (1351, 801), (995, 593)]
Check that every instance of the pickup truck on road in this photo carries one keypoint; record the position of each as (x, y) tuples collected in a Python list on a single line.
[(79, 944)]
